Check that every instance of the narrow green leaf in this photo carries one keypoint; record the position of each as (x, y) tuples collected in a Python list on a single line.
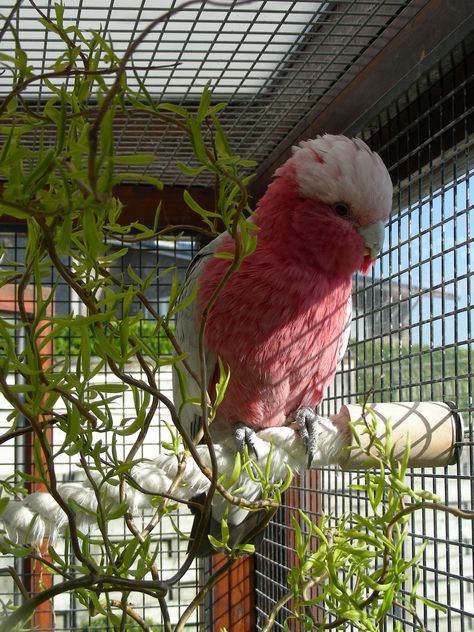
[(195, 206), (225, 532), (430, 604), (107, 387), (246, 548), (204, 103), (8, 58), (135, 426), (39, 174), (173, 107), (92, 233), (229, 256), (234, 476), (134, 159), (197, 141), (59, 12), (299, 538), (222, 383), (352, 615), (3, 504), (38, 458), (215, 542), (117, 511), (140, 177), (220, 140), (65, 234), (62, 121), (191, 172)]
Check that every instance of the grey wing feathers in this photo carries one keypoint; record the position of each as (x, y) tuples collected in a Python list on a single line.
[(187, 335)]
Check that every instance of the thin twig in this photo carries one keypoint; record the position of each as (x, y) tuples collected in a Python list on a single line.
[(129, 611), (52, 483), (149, 492), (9, 18), (109, 583), (315, 581), (17, 579), (53, 74), (165, 613), (411, 610), (202, 594), (101, 519), (181, 228), (9, 436)]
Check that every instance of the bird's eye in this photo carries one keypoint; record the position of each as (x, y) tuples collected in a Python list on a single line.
[(341, 209)]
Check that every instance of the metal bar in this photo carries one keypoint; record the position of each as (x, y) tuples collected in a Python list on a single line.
[(403, 59)]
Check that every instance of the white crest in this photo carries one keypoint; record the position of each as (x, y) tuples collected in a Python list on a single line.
[(338, 169)]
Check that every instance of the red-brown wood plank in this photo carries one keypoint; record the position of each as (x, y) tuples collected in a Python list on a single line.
[(232, 599), (36, 577)]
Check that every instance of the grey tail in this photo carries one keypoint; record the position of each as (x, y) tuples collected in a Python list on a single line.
[(238, 533)]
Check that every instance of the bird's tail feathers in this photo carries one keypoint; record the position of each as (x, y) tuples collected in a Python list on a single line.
[(39, 516)]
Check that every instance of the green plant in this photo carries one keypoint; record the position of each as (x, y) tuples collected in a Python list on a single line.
[(62, 190), (102, 623), (354, 568), (68, 343)]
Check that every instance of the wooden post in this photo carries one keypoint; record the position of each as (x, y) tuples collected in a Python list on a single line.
[(233, 596)]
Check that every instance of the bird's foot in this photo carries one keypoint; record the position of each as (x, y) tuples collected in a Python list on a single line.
[(319, 434), (246, 437)]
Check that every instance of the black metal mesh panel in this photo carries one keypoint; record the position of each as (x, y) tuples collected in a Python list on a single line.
[(273, 62), (412, 338), (16, 456)]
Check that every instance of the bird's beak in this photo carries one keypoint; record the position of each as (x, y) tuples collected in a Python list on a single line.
[(373, 237)]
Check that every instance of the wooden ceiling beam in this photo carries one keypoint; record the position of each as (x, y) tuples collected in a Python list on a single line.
[(141, 202), (428, 35)]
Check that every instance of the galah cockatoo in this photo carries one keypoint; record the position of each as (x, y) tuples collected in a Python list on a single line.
[(281, 325), (282, 321)]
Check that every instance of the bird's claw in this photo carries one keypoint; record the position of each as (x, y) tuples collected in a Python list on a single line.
[(245, 436), (310, 426)]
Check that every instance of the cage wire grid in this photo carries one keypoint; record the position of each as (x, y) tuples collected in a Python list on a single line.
[(411, 341), (272, 62), (145, 258)]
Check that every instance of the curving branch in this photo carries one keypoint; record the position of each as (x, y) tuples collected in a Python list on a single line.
[(41, 515)]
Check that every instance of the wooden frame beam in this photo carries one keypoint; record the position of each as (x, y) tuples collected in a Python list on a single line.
[(429, 34), (142, 201), (37, 578)]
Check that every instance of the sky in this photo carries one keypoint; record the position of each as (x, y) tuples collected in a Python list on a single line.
[(428, 246)]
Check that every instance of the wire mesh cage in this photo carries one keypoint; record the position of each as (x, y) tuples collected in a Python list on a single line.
[(278, 65), (411, 341), (65, 612), (272, 62)]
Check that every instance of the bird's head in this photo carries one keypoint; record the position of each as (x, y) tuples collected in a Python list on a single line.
[(343, 198)]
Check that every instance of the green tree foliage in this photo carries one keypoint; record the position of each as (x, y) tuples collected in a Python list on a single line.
[(103, 624), (413, 373), (68, 344), (61, 187)]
